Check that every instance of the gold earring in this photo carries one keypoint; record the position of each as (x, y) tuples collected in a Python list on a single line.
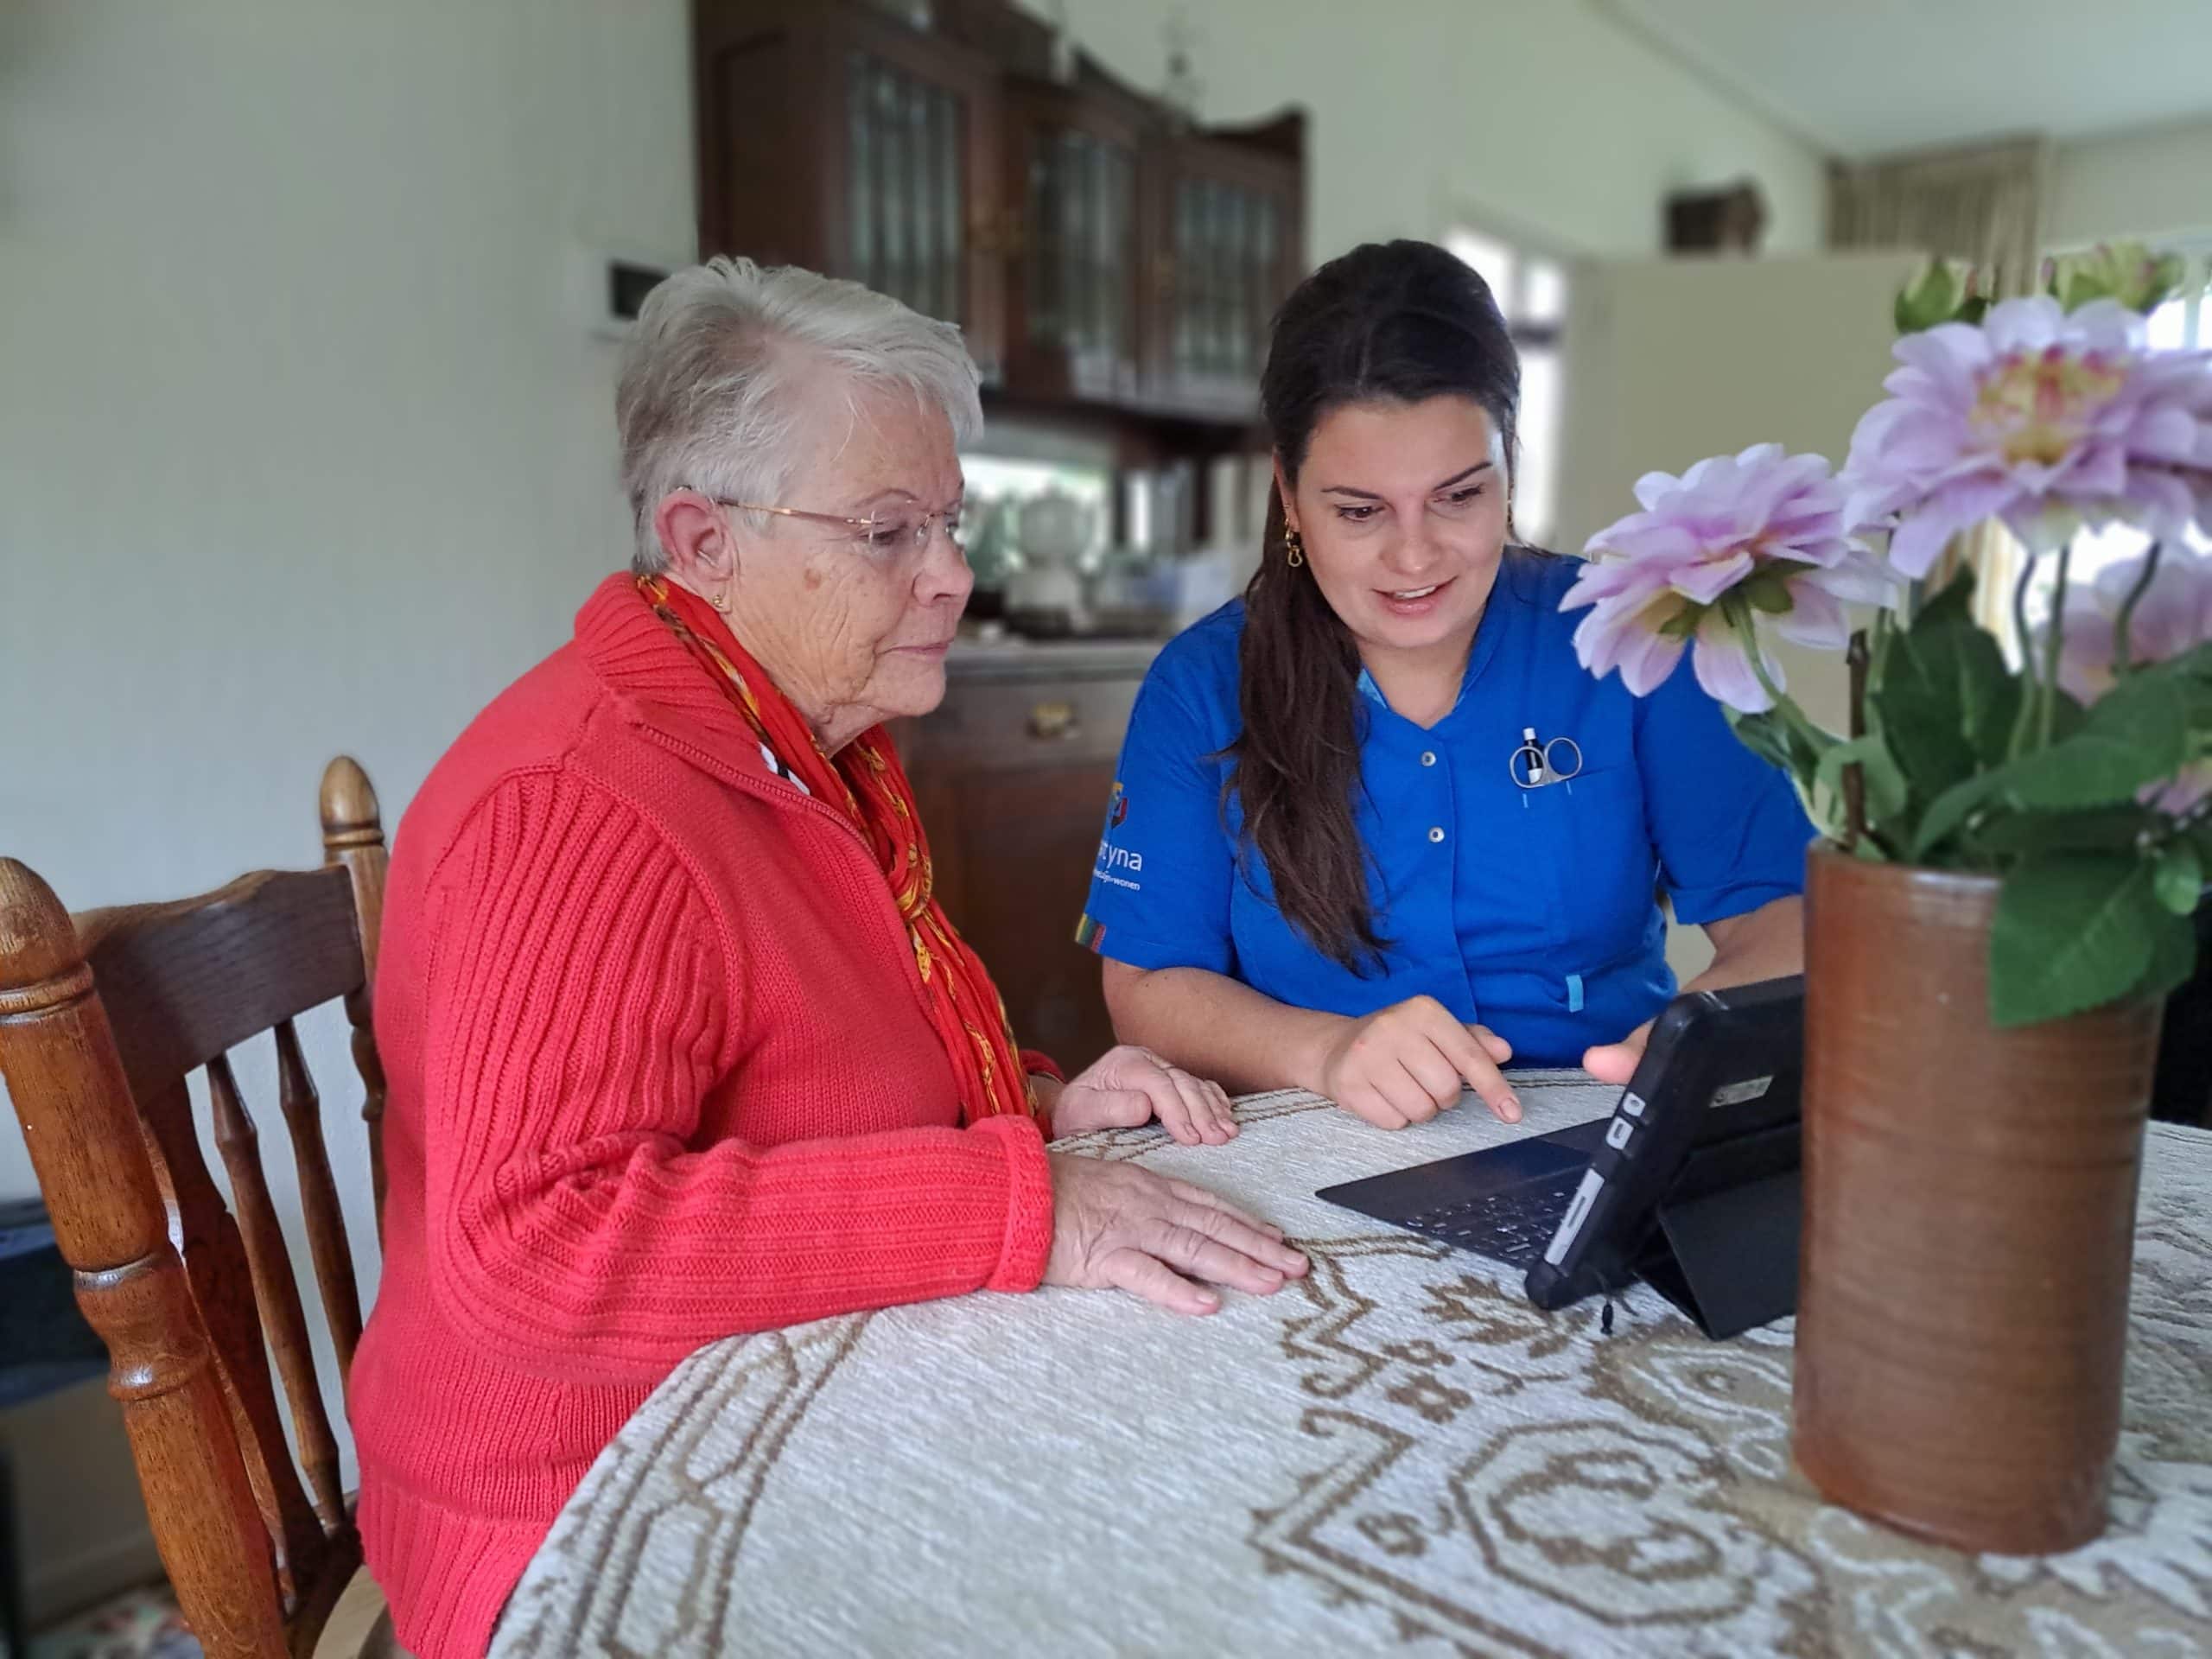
[(721, 601), (1294, 548)]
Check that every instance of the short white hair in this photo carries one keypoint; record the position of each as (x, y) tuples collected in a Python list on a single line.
[(707, 376)]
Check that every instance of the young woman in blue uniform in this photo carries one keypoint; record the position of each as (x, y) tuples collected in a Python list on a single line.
[(1377, 831)]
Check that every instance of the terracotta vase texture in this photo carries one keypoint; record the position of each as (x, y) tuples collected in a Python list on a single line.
[(1969, 1223)]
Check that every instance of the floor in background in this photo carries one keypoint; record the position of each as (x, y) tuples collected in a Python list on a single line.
[(138, 1625)]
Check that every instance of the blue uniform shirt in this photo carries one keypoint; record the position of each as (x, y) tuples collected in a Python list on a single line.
[(1532, 912)]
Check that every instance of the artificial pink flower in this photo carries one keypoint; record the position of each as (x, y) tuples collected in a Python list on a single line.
[(2173, 616), (1770, 524), (2047, 421)]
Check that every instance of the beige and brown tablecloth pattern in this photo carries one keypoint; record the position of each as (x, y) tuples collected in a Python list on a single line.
[(1398, 1456)]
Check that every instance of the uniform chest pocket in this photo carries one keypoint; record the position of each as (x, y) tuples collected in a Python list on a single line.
[(1589, 833)]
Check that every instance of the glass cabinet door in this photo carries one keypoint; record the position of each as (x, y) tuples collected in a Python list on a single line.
[(905, 234), (1073, 311), (1226, 277), (1224, 238), (916, 204)]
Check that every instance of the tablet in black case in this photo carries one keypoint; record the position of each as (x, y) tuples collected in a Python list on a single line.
[(1692, 1184)]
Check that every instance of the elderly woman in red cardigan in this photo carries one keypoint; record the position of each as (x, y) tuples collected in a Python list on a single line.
[(679, 1043)]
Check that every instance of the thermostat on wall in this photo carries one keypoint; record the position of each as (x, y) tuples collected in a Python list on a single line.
[(628, 285), (607, 285)]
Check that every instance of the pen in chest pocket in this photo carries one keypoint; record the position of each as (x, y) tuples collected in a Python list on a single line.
[(1534, 765)]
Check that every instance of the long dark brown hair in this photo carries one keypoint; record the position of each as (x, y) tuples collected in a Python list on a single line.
[(1387, 322)]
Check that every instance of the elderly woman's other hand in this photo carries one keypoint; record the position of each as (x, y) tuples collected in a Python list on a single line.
[(1120, 1226), (1127, 1086)]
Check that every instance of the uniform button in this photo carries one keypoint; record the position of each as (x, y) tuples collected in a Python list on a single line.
[(1428, 757), (1436, 833)]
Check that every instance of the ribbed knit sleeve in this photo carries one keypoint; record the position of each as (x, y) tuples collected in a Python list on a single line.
[(576, 1014)]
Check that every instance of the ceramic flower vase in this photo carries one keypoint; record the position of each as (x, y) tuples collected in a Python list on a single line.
[(1969, 1223)]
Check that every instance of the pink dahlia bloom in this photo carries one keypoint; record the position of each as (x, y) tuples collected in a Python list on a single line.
[(2173, 616), (2046, 420), (1767, 527)]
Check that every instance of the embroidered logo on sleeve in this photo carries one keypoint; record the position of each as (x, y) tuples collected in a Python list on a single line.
[(1117, 864)]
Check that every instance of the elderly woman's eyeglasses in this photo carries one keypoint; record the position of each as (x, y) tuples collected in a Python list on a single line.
[(894, 532)]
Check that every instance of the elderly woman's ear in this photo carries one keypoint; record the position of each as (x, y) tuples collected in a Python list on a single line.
[(694, 535)]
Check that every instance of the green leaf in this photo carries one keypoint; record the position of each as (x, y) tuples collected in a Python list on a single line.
[(1886, 785), (1947, 700), (2194, 663), (2173, 959), (1951, 808), (1778, 741), (2073, 930), (2126, 271), (2068, 716), (2137, 734), (1773, 599), (2086, 829), (1930, 298), (1949, 606), (1764, 736), (2180, 878)]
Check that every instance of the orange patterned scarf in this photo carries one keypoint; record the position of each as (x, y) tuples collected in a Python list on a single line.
[(867, 785)]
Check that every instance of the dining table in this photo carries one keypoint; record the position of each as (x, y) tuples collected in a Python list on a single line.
[(1395, 1455)]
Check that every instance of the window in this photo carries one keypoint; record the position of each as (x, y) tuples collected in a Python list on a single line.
[(2184, 323), (1532, 291)]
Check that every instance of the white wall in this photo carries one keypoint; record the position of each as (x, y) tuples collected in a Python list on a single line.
[(1536, 117), (1671, 360), (2151, 183), (305, 445)]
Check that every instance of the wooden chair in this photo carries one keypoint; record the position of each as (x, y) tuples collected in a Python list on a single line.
[(102, 1020)]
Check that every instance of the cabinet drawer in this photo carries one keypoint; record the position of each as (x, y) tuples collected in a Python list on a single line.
[(1016, 725)]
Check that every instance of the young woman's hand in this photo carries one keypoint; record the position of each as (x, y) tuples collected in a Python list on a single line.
[(1617, 1062), (1412, 1060)]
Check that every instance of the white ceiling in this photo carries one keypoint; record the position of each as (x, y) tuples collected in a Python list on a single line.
[(1858, 78)]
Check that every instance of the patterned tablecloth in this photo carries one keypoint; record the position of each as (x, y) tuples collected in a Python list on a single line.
[(1397, 1456)]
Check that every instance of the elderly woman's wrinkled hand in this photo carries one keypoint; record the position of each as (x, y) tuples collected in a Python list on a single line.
[(1115, 1226), (1129, 1086)]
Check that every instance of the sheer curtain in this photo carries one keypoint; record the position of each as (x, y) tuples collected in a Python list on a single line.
[(1983, 204)]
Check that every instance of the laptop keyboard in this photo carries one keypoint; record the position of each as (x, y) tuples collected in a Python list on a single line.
[(1513, 1226)]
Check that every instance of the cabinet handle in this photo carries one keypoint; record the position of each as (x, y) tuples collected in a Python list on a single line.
[(1054, 722)]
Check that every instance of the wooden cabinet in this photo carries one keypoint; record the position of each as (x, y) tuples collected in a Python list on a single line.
[(1013, 775), (1073, 286), (1095, 251), (1228, 247), (834, 137)]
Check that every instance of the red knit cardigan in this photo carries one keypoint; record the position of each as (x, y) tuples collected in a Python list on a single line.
[(660, 1073)]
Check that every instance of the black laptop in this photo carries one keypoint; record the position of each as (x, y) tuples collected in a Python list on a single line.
[(1691, 1184)]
